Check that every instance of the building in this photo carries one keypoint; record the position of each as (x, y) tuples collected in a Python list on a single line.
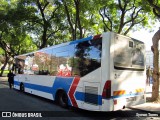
[(149, 59)]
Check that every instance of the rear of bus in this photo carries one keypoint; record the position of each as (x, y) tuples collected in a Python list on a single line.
[(125, 83)]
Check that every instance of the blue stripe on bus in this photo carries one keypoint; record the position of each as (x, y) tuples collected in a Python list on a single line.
[(81, 96), (81, 40), (16, 83), (35, 87), (59, 83), (63, 83), (39, 88), (124, 96), (127, 95)]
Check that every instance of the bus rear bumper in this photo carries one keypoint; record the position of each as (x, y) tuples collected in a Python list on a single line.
[(122, 103)]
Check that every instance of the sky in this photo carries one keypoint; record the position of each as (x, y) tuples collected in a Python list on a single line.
[(145, 36)]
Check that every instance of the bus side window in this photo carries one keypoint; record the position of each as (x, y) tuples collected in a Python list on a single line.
[(20, 67), (54, 62), (64, 64), (42, 62), (87, 56)]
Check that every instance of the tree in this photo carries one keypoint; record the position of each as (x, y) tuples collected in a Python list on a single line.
[(81, 17), (156, 7), (3, 28), (155, 40), (122, 15), (13, 38), (155, 87), (73, 20), (15, 42), (41, 19)]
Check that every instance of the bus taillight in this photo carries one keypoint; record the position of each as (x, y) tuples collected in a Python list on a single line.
[(97, 36), (107, 89)]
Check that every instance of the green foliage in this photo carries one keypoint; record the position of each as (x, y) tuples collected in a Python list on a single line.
[(13, 35), (121, 16), (36, 22), (154, 6), (5, 71), (1, 51), (28, 25)]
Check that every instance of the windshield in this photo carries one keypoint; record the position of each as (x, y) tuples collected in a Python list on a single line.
[(128, 53)]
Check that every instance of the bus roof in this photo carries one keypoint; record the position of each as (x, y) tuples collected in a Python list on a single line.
[(60, 45)]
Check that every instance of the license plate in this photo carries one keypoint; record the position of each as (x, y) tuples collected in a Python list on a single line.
[(131, 99)]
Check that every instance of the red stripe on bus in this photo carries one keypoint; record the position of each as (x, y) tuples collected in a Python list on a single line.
[(97, 36), (72, 91)]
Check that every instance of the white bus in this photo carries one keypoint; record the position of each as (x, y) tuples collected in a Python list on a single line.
[(99, 73)]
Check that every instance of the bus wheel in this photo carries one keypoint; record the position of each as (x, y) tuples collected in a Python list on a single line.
[(22, 87), (63, 99)]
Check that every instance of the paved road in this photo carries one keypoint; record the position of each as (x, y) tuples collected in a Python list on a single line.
[(17, 102)]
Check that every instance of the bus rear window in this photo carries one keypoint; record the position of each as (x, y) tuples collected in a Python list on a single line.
[(128, 53)]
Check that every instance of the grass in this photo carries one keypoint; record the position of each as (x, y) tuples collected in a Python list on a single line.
[(5, 71)]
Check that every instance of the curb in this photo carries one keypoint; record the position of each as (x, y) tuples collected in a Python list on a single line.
[(149, 107)]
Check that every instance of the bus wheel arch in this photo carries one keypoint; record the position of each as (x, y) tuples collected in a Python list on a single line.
[(61, 98), (22, 87)]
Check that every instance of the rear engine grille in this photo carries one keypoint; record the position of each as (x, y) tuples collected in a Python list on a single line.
[(91, 95)]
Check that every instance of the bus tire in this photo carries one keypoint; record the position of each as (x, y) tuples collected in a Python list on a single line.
[(22, 87), (63, 99)]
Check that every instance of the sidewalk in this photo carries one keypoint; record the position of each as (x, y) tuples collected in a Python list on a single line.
[(3, 78), (148, 106)]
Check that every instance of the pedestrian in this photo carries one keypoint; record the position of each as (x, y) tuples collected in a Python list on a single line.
[(148, 74), (10, 78)]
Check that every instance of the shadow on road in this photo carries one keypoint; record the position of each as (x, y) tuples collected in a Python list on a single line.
[(76, 112)]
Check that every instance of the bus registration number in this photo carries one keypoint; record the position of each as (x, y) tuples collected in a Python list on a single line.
[(131, 99)]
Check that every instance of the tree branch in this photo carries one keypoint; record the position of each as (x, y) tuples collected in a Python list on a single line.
[(42, 9), (107, 16), (77, 4), (155, 8), (69, 20), (53, 13)]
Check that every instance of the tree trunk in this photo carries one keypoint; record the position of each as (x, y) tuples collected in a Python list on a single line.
[(5, 63), (155, 87), (44, 40), (78, 20)]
